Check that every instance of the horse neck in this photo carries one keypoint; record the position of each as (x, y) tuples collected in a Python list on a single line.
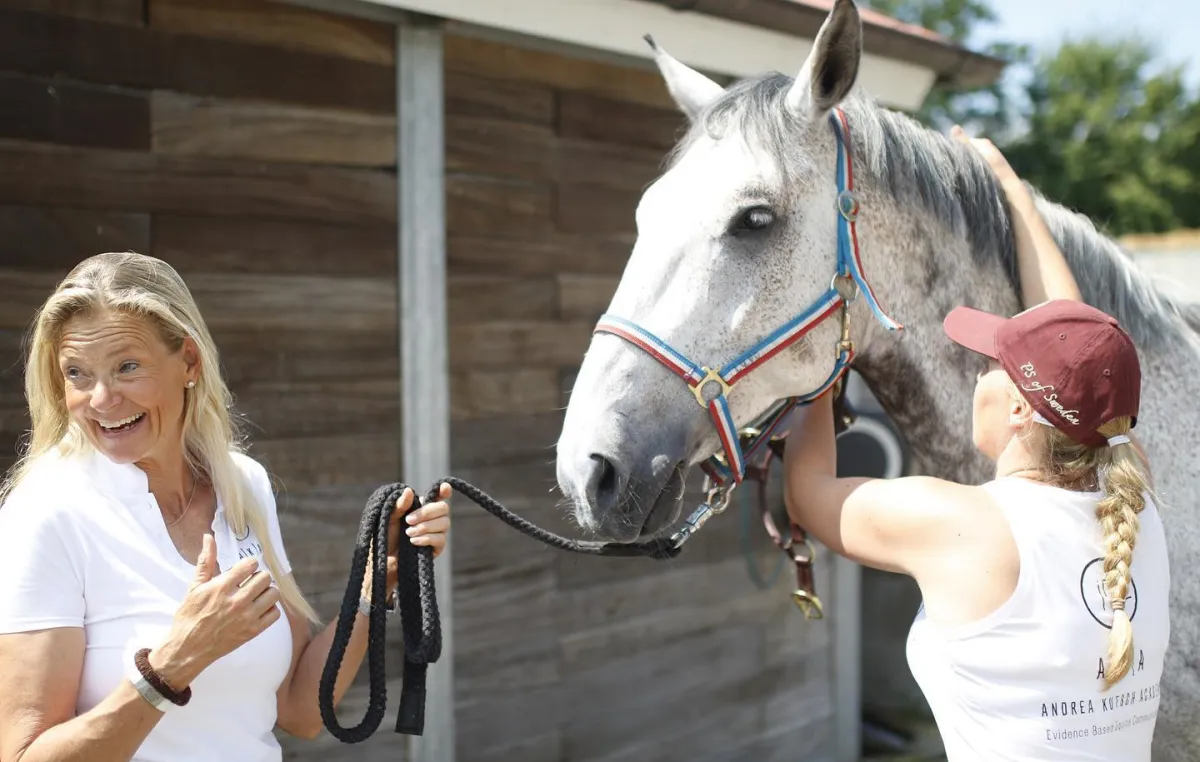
[(924, 382)]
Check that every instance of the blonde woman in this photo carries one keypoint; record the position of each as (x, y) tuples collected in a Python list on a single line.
[(147, 607), (1045, 617)]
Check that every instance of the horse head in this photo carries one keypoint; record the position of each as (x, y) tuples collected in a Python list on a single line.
[(734, 248)]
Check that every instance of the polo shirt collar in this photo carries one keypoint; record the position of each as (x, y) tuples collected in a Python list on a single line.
[(122, 480)]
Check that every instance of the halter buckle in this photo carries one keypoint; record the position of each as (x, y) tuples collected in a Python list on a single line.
[(709, 375), (809, 604)]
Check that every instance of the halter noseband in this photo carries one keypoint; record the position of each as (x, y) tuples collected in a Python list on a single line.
[(844, 288)]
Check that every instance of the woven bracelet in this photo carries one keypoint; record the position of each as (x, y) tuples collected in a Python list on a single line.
[(179, 698)]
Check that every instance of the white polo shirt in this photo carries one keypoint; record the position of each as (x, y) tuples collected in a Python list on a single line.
[(83, 544)]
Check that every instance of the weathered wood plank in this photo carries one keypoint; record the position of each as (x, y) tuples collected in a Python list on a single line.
[(490, 721), (50, 175), (540, 747), (278, 24), (130, 12), (186, 125), (303, 463), (476, 442), (295, 302), (660, 603), (57, 239), (489, 206), (612, 166), (589, 117), (22, 292), (62, 112), (483, 97), (522, 343), (594, 209), (585, 297), (673, 698), (499, 147), (808, 739), (538, 253), (477, 56), (242, 245), (285, 410), (252, 353), (479, 394), (117, 55), (474, 298)]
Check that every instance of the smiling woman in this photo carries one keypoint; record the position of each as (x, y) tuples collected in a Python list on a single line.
[(140, 547)]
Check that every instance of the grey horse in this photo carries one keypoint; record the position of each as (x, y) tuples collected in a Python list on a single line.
[(739, 234)]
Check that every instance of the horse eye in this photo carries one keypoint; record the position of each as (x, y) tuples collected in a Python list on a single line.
[(756, 218)]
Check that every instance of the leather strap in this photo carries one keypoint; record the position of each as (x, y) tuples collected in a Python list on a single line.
[(796, 545)]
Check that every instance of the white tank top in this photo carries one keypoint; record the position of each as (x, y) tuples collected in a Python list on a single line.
[(1023, 683)]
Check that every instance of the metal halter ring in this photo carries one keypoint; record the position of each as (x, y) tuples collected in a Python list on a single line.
[(709, 375), (846, 287)]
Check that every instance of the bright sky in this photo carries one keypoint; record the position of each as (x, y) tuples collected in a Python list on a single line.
[(1173, 25)]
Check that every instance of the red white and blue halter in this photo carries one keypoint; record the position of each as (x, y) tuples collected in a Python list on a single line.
[(844, 288)]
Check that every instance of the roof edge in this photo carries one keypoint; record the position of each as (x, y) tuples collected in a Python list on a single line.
[(954, 65)]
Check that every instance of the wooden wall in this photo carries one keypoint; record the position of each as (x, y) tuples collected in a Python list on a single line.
[(252, 145), (563, 657)]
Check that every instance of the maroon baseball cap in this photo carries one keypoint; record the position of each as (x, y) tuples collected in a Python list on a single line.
[(1074, 364)]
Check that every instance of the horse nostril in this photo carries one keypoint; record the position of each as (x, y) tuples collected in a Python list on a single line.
[(604, 483)]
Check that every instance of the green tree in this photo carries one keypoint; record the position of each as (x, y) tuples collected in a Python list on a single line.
[(1100, 126), (985, 109), (1111, 137)]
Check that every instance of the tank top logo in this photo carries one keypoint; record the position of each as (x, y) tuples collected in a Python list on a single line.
[(1095, 597)]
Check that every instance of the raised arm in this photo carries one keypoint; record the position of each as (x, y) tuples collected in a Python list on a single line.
[(1042, 266), (1043, 269)]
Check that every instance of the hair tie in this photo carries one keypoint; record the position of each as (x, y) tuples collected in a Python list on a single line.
[(1118, 604), (1118, 439)]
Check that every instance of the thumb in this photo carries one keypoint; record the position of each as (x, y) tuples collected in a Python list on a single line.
[(206, 564)]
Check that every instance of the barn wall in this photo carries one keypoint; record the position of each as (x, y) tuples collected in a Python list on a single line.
[(251, 145), (564, 657)]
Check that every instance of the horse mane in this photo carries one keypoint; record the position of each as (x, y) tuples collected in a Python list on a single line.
[(955, 185)]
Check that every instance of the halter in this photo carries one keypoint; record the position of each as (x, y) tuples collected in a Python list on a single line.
[(843, 290)]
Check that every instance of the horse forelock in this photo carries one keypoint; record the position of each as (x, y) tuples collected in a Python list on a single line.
[(953, 185)]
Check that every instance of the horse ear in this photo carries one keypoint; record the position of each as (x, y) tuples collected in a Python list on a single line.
[(690, 89), (829, 73)]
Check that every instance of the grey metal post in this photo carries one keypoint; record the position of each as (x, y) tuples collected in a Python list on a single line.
[(424, 334)]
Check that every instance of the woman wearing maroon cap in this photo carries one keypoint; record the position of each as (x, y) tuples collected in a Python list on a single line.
[(1024, 644)]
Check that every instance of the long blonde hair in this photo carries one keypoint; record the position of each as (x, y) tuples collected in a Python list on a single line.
[(144, 287), (1121, 473)]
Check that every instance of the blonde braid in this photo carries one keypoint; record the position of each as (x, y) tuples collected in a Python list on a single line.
[(1121, 474), (1124, 498)]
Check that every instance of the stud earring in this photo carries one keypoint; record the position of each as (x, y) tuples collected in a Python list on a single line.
[(191, 384)]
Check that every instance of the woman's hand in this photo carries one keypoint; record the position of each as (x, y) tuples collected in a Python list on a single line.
[(219, 614), (427, 525), (991, 154), (1044, 273)]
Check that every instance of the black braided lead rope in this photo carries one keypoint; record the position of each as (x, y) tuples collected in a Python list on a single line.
[(418, 604)]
